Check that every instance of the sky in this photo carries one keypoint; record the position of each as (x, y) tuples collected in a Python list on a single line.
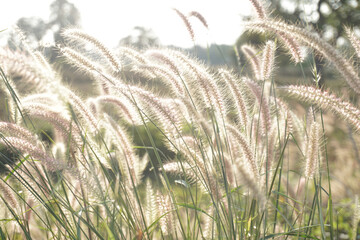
[(111, 20)]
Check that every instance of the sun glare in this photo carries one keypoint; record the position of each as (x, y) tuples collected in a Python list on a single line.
[(111, 20)]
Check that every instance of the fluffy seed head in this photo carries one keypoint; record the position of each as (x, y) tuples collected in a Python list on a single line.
[(8, 194), (237, 94), (126, 148), (313, 151), (263, 105), (292, 45), (187, 23), (81, 108), (200, 17), (251, 55), (325, 100), (259, 8), (163, 57), (76, 34), (344, 66), (355, 40), (167, 76), (126, 108), (79, 60), (248, 154), (36, 152), (167, 222), (268, 59), (17, 131)]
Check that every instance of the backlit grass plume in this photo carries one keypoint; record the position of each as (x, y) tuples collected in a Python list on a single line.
[(325, 100)]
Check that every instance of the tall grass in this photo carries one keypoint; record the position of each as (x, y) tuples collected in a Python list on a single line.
[(203, 154)]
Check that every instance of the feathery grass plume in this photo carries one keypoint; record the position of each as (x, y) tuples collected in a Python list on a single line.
[(10, 97), (43, 61), (313, 151), (326, 101), (76, 34), (92, 151), (251, 55), (132, 54), (163, 109), (80, 107), (190, 75), (82, 62), (36, 184), (167, 220), (126, 147), (264, 109), (161, 56), (356, 217), (238, 96), (44, 98), (229, 170), (17, 131), (287, 116), (126, 108), (268, 59), (67, 215), (344, 66), (201, 78), (167, 76), (187, 23), (191, 146), (261, 12), (92, 104), (17, 144), (289, 42), (355, 40), (292, 45), (201, 165), (87, 179), (151, 208), (18, 64), (58, 120), (111, 84), (8, 194), (37, 56), (200, 17), (252, 183), (178, 61), (28, 213), (209, 225), (248, 155), (196, 118), (271, 151)]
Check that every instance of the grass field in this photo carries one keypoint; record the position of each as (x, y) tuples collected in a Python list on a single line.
[(157, 145)]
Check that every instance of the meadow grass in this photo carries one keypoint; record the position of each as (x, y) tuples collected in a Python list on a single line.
[(202, 154)]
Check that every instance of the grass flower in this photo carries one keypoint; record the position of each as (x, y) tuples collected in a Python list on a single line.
[(79, 35)]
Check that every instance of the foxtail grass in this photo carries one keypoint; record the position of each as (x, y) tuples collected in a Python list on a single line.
[(210, 154)]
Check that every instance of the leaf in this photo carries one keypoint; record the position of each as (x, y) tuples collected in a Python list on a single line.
[(16, 167), (186, 205), (290, 234), (286, 196)]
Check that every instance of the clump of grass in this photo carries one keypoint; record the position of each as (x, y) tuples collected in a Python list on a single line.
[(206, 156)]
